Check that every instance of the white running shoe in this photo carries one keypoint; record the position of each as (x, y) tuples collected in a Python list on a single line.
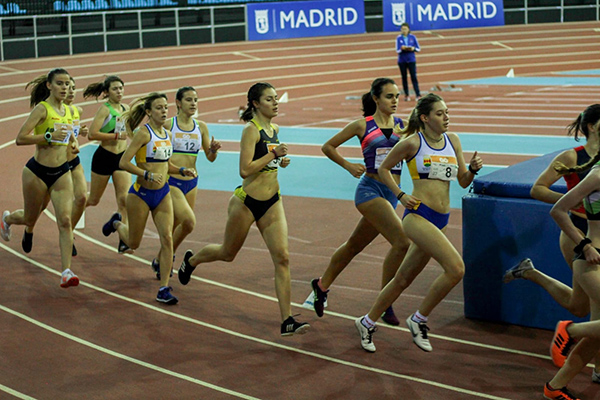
[(419, 334), (309, 303), (518, 270), (5, 227), (68, 278), (366, 335)]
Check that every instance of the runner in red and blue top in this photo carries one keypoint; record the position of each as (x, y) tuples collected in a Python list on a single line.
[(378, 133), (575, 302)]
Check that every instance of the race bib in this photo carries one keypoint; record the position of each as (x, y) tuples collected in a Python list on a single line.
[(186, 142), (119, 125), (444, 168), (380, 155), (162, 150), (76, 127), (275, 162), (59, 127)]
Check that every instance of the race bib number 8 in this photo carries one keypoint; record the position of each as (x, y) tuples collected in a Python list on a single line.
[(380, 155), (444, 168)]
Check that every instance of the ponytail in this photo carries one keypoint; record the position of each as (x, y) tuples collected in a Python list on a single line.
[(423, 107), (254, 94), (369, 106), (591, 115), (137, 111), (39, 89), (98, 88)]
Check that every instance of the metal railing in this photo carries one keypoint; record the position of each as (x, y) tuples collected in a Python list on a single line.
[(565, 5), (166, 13)]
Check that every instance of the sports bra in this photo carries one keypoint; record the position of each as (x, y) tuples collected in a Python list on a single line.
[(264, 146), (376, 143), (158, 149), (53, 122), (113, 123), (186, 142), (429, 163)]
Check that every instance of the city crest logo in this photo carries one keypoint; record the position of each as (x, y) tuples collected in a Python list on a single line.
[(261, 20), (398, 13)]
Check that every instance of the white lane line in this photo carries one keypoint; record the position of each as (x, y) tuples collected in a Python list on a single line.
[(16, 394), (239, 53), (124, 357), (274, 299), (221, 330), (502, 45)]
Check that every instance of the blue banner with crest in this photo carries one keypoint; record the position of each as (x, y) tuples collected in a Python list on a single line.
[(304, 19), (441, 14)]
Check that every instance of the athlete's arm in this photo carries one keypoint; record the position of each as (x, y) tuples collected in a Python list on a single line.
[(403, 150), (541, 188), (94, 133), (251, 136), (356, 128), (210, 147), (25, 135)]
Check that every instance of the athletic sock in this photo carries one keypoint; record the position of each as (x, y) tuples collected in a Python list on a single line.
[(419, 318), (367, 322)]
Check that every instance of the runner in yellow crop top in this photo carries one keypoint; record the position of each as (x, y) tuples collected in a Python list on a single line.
[(257, 200), (439, 155), (49, 128)]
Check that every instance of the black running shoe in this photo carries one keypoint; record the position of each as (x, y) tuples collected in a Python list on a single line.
[(186, 269), (320, 297), (156, 268), (108, 227), (123, 248), (27, 242), (74, 251), (291, 327)]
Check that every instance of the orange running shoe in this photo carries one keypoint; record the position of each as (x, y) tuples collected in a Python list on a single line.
[(561, 344), (558, 394)]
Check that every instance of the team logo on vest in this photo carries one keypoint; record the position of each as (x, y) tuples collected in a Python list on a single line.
[(398, 13), (261, 19), (426, 161)]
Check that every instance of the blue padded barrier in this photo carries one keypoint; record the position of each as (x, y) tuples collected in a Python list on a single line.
[(500, 229)]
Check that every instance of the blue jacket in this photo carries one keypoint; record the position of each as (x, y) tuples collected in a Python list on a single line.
[(407, 56)]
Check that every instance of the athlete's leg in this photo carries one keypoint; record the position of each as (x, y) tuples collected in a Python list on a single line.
[(163, 219)]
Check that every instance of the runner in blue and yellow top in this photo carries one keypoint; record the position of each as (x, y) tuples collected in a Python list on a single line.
[(189, 137), (50, 128), (108, 127), (434, 158), (257, 200), (378, 133), (152, 147)]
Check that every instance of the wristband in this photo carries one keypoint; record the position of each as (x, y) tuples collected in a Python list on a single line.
[(579, 248), (274, 153), (149, 176), (400, 195), (471, 170), (181, 171)]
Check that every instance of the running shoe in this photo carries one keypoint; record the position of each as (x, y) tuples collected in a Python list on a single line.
[(5, 227), (185, 271), (123, 248), (156, 268), (164, 296), (562, 343), (74, 251), (309, 303), (595, 376), (558, 394), (319, 297), (27, 241), (291, 327), (366, 335), (68, 278), (518, 270), (419, 334), (109, 227), (389, 317)]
